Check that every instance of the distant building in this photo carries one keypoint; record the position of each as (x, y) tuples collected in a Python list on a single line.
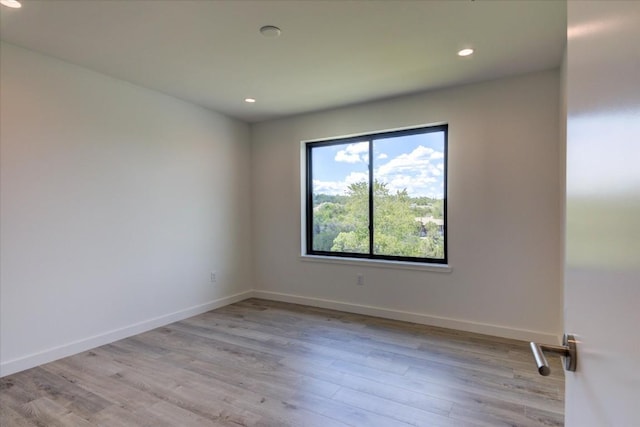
[(427, 219)]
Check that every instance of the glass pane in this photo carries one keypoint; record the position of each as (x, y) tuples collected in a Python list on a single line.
[(409, 195), (340, 189)]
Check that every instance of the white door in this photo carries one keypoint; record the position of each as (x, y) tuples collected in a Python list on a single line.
[(602, 274)]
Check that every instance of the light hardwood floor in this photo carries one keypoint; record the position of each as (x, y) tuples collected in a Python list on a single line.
[(263, 363)]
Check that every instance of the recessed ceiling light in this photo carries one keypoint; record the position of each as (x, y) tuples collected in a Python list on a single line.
[(250, 100), (465, 52), (15, 4), (270, 31)]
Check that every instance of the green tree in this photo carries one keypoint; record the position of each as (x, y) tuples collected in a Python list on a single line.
[(433, 241), (344, 227), (437, 208), (396, 232), (327, 224), (355, 238)]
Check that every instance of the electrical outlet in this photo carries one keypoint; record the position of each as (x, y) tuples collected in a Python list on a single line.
[(214, 277), (360, 280)]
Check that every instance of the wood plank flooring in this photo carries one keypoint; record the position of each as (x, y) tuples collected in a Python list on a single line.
[(264, 363)]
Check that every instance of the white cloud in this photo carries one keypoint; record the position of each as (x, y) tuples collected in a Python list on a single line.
[(339, 187), (351, 154), (354, 177), (343, 156), (328, 187), (420, 172)]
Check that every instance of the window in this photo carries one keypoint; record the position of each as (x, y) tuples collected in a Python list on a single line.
[(380, 196)]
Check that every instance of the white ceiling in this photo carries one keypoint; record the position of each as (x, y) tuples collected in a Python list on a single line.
[(330, 53)]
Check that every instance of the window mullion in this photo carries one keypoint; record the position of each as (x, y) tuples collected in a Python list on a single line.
[(371, 192)]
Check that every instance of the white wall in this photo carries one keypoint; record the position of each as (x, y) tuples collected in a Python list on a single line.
[(504, 211), (116, 203)]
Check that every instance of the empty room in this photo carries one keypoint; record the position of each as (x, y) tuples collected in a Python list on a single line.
[(319, 213)]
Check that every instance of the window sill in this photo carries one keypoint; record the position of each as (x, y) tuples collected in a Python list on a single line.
[(400, 265)]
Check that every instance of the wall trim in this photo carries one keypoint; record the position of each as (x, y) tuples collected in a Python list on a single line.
[(378, 263), (424, 319), (75, 347)]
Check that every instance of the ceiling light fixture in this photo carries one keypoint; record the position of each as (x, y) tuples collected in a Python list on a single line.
[(14, 4), (465, 52), (270, 31), (250, 100)]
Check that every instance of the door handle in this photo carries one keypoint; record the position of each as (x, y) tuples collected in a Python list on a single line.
[(567, 350)]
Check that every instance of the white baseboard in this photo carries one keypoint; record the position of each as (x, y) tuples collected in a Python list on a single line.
[(424, 319), (69, 349)]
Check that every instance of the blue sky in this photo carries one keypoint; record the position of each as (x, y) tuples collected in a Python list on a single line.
[(414, 162)]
